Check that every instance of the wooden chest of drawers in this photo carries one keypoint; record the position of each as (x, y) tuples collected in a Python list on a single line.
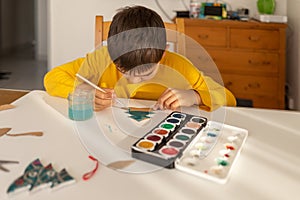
[(250, 56)]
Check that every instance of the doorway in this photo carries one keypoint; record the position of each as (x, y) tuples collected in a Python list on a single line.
[(17, 27), (22, 64)]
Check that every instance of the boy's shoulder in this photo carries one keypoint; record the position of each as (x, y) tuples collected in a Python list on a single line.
[(173, 58)]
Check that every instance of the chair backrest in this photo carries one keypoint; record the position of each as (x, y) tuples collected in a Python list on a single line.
[(175, 34)]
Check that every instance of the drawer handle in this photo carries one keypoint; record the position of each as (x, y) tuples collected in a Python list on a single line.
[(258, 63), (253, 38), (253, 63), (229, 83), (254, 85), (203, 36), (266, 62)]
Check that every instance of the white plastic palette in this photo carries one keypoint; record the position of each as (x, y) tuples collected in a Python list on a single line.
[(209, 151), (213, 153)]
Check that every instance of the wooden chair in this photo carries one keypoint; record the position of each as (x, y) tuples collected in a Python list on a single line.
[(175, 36)]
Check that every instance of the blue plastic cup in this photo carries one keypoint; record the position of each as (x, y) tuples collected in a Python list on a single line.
[(81, 104)]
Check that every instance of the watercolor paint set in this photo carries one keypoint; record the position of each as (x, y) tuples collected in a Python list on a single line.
[(166, 141), (193, 145)]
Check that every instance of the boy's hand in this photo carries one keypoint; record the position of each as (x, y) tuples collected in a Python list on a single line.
[(174, 98), (103, 100)]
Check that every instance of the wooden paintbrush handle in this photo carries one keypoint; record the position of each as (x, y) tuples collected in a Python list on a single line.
[(140, 109)]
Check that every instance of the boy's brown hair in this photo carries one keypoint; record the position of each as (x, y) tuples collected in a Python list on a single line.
[(137, 37)]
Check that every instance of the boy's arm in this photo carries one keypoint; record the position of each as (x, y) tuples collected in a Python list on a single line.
[(60, 80), (212, 94)]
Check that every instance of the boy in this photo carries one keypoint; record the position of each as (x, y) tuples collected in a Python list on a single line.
[(136, 64)]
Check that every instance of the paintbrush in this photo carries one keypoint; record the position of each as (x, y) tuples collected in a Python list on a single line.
[(96, 87), (147, 109)]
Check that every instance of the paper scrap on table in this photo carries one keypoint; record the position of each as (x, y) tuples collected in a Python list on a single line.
[(4, 131), (120, 164), (36, 176), (6, 107)]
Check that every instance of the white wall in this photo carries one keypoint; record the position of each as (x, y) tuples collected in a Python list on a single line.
[(71, 22), (41, 29)]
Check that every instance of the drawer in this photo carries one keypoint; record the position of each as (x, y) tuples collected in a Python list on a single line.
[(206, 36), (246, 84), (248, 62), (254, 39), (234, 61), (201, 59)]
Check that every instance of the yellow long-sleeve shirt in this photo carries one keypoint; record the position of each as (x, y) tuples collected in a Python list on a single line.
[(175, 71)]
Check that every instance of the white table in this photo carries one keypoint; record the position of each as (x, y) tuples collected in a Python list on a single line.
[(268, 167)]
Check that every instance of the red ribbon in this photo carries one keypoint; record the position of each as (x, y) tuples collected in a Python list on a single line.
[(88, 175)]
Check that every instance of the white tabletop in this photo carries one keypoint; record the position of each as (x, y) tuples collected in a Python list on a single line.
[(268, 167)]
